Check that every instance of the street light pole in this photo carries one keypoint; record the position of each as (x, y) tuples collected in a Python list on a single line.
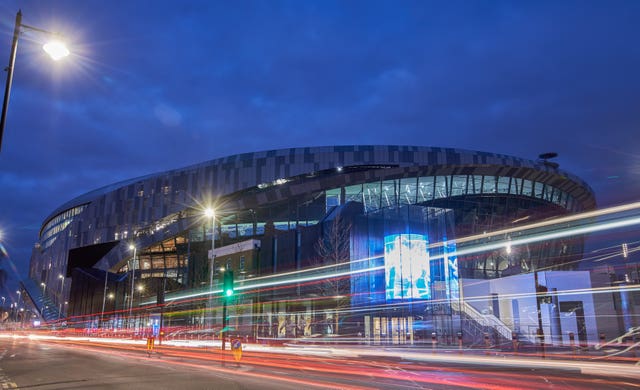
[(104, 296), (12, 61), (133, 266), (56, 50), (60, 296), (212, 214)]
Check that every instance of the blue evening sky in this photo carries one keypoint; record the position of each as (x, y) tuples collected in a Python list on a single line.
[(156, 85)]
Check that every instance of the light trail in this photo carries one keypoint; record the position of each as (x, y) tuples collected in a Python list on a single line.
[(551, 222), (364, 364), (319, 273)]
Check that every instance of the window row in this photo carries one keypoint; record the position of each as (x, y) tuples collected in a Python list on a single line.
[(392, 193), (58, 224)]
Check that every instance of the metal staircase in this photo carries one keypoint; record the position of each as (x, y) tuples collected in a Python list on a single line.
[(479, 325)]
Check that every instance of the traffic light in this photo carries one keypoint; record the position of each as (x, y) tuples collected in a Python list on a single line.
[(228, 283)]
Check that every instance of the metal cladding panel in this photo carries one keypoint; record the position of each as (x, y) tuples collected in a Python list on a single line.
[(243, 171)]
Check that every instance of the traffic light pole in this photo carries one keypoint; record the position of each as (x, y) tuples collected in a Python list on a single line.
[(224, 322), (227, 293)]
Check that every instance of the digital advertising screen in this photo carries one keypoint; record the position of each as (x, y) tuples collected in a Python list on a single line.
[(407, 268)]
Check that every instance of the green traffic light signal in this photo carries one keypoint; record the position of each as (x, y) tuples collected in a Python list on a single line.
[(228, 283)]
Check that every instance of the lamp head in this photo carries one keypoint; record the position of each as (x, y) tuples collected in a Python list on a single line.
[(56, 49)]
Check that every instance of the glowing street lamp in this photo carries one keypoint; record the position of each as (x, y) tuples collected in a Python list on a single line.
[(55, 48)]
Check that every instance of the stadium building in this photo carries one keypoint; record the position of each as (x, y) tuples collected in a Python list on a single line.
[(341, 241)]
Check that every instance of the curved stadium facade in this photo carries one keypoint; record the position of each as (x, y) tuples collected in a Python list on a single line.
[(321, 240)]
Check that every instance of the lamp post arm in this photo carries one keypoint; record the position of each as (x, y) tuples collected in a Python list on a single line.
[(40, 30), (9, 69)]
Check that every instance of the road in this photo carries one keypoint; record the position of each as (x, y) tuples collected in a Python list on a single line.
[(63, 364)]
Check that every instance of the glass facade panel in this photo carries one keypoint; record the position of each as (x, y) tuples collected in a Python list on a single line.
[(503, 185), (229, 229), (563, 199), (371, 194), (538, 189), (332, 198), (157, 262), (516, 186), (489, 185), (425, 188), (441, 187), (353, 193), (458, 185), (475, 185), (527, 188), (408, 190), (555, 195), (389, 196), (548, 193), (245, 229)]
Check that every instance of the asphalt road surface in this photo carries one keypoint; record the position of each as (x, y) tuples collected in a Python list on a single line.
[(46, 365)]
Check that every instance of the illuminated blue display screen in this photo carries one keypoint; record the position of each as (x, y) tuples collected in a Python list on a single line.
[(406, 264), (412, 272)]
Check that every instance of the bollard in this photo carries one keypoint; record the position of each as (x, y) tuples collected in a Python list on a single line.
[(487, 342), (540, 337), (460, 342), (434, 341), (150, 345), (572, 342)]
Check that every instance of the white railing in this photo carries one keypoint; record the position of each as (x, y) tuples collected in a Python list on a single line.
[(486, 319)]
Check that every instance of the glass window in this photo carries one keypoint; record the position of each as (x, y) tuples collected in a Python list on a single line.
[(538, 189), (441, 187), (171, 261), (516, 186), (332, 198), (527, 188), (458, 185), (556, 196), (353, 193), (229, 229), (503, 185), (425, 188), (371, 194), (563, 199), (157, 262), (489, 185), (389, 193), (241, 263), (475, 185), (408, 190), (548, 193)]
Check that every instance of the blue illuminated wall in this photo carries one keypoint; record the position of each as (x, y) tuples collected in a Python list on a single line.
[(411, 253)]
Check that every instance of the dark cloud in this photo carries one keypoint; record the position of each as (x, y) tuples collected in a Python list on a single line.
[(157, 85)]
